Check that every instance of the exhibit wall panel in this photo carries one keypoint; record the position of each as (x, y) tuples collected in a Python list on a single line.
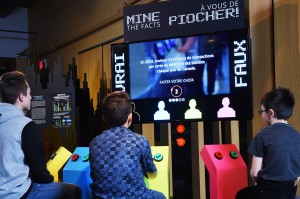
[(287, 50), (95, 66), (90, 70), (107, 61), (261, 33)]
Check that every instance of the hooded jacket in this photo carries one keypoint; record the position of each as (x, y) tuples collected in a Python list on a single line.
[(22, 157), (14, 180)]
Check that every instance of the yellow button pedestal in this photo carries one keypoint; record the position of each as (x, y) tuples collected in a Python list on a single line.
[(57, 161), (161, 160)]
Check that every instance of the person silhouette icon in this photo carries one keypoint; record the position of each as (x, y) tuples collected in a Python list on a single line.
[(226, 111), (192, 113), (161, 114)]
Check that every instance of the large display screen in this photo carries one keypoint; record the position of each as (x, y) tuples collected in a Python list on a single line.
[(200, 77)]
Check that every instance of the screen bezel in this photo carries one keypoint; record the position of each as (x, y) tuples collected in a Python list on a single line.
[(240, 98)]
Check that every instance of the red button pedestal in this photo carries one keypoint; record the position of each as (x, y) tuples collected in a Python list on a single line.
[(227, 170)]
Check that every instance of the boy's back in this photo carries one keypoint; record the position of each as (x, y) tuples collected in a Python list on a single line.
[(280, 143), (118, 158)]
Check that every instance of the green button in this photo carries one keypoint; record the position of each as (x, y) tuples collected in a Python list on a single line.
[(85, 158), (52, 156), (158, 157), (233, 155)]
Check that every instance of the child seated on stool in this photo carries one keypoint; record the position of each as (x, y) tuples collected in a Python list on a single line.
[(119, 158)]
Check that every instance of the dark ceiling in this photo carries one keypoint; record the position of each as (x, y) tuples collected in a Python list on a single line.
[(8, 6)]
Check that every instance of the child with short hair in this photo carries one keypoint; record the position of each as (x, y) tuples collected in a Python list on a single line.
[(23, 172), (119, 158), (275, 150)]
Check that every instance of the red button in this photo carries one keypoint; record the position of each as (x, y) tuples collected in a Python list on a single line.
[(180, 141), (75, 157), (218, 155), (180, 128)]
